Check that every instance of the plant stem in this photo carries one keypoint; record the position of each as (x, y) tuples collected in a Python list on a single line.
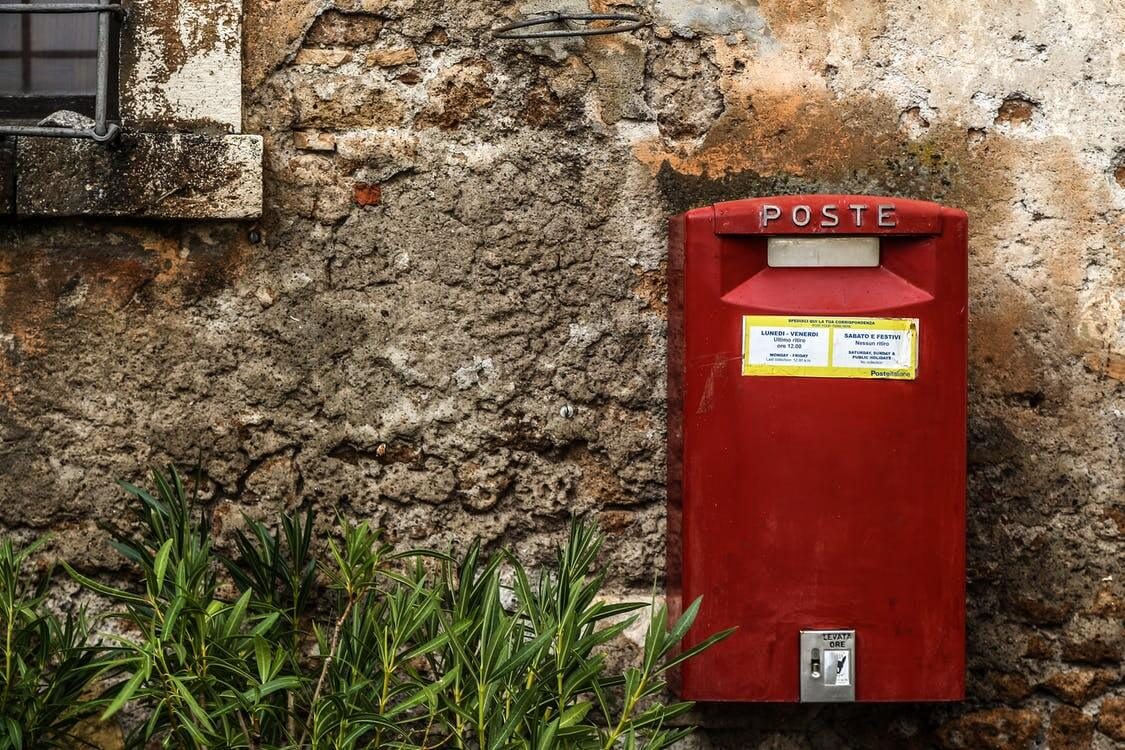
[(626, 711), (324, 669), (246, 731), (291, 702), (480, 715), (10, 617)]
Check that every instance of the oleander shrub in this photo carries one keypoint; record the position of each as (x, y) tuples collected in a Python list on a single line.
[(48, 669), (275, 646)]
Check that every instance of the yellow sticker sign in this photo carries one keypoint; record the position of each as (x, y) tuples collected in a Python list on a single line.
[(806, 347)]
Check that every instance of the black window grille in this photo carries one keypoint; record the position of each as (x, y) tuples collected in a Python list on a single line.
[(59, 55)]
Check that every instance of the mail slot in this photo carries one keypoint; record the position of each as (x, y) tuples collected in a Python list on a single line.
[(817, 353)]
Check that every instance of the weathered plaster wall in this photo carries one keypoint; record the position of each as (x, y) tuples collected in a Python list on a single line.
[(463, 236)]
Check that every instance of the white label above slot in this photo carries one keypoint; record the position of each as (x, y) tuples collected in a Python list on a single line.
[(823, 252)]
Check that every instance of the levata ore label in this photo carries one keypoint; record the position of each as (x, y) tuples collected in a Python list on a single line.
[(879, 348)]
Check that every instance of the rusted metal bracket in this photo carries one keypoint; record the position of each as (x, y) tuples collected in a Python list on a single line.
[(102, 131), (620, 23)]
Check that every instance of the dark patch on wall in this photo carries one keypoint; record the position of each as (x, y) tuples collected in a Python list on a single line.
[(792, 145), (212, 257), (56, 275), (683, 192), (904, 177), (113, 266)]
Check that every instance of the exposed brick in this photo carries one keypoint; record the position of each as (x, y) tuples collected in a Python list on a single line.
[(374, 149), (329, 58), (367, 194), (333, 101), (390, 58), (312, 140)]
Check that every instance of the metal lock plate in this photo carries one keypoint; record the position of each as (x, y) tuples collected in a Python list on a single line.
[(827, 666)]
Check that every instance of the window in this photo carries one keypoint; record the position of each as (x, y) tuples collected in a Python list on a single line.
[(53, 56), (175, 120)]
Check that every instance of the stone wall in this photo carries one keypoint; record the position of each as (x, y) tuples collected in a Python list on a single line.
[(464, 236)]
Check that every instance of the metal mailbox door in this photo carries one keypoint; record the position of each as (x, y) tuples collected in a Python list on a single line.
[(816, 447)]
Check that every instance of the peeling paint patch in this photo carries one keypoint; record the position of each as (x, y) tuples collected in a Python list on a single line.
[(182, 61)]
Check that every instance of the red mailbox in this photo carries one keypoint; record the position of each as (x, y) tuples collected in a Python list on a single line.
[(817, 350)]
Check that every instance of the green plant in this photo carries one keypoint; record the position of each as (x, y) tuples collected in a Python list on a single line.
[(202, 667), (47, 668), (280, 570), (368, 648)]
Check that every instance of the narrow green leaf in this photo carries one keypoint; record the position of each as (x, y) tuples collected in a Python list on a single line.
[(236, 614), (686, 619), (574, 714), (101, 588), (127, 691), (263, 656), (189, 700), (698, 648), (160, 566), (424, 695)]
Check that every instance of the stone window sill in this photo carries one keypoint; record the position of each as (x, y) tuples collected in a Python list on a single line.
[(142, 175)]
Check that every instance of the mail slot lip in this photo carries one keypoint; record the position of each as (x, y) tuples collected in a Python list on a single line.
[(828, 214)]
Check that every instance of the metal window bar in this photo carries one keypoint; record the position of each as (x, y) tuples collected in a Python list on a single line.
[(103, 131)]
